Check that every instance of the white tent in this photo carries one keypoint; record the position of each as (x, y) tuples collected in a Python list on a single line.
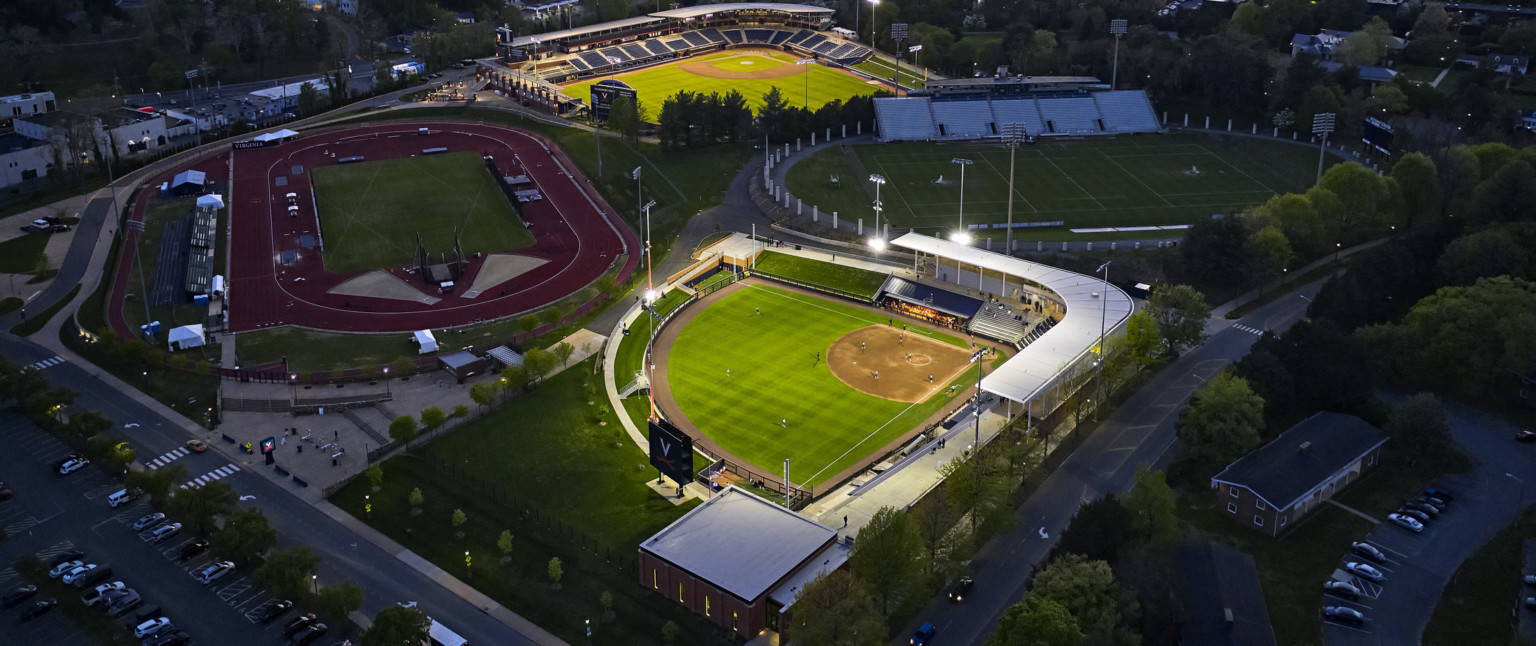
[(427, 342), (186, 336), (211, 200), (277, 136)]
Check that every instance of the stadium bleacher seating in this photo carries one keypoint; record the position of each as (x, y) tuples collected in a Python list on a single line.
[(1126, 111), (677, 44), (963, 119), (1070, 115), (656, 47), (713, 35), (734, 36), (695, 38), (813, 41), (826, 47), (779, 37), (904, 118), (580, 64), (635, 52), (1001, 324), (800, 36), (594, 59), (1005, 111), (757, 35)]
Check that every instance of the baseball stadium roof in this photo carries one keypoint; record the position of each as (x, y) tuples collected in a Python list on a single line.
[(661, 16), (556, 36), (1035, 368), (706, 9)]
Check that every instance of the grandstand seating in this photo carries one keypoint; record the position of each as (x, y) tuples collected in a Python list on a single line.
[(826, 47), (695, 38), (1006, 111), (635, 51), (580, 64), (713, 35), (904, 118), (963, 119), (800, 36), (1000, 324), (594, 59), (1126, 111), (1071, 115), (779, 37), (677, 44), (813, 41), (757, 35), (734, 36), (656, 47)]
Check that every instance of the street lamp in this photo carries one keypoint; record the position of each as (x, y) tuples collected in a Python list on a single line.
[(960, 234), (1117, 28), (386, 380), (1322, 124), (314, 583), (877, 241), (1103, 315), (368, 506), (807, 75), (650, 297)]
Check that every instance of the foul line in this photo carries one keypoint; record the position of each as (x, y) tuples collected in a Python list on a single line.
[(861, 442), (780, 294)]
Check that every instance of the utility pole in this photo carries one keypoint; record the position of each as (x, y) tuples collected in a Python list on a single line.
[(650, 297), (1117, 27), (961, 236), (807, 75)]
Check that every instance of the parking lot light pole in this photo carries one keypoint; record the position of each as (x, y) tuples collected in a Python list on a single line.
[(314, 583), (807, 75), (650, 297)]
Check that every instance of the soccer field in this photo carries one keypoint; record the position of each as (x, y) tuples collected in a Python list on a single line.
[(1143, 180), (770, 69), (774, 376), (370, 212)]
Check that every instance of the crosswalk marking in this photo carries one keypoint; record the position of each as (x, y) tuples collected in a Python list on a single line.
[(210, 476), (166, 459), (1253, 331), (46, 363)]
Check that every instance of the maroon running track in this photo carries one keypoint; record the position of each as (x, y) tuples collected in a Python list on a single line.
[(574, 229)]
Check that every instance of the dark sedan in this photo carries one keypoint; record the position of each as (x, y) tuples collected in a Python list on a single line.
[(39, 608), (19, 595), (273, 610)]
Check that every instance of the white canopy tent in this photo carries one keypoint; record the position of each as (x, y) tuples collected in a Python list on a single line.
[(427, 342), (186, 336), (277, 136), (211, 200), (1088, 305)]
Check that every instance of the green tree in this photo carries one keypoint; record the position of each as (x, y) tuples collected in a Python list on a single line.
[(1508, 195), (199, 505), (335, 602), (1419, 180), (433, 417), (1038, 621), (397, 626), (1180, 312), (552, 315), (460, 410), (528, 322), (538, 363), (403, 367), (459, 518), (1151, 507), (1433, 21), (1088, 591), (416, 497), (403, 429), (1390, 98), (1098, 530), (1270, 252), (287, 572), (563, 352), (1142, 338), (1418, 427), (85, 425), (834, 609), (246, 535), (483, 393), (1463, 338), (514, 378), (1495, 250), (504, 543), (309, 99), (1367, 46), (1363, 193), (375, 475), (157, 484), (886, 554), (1223, 422), (555, 570), (670, 631)]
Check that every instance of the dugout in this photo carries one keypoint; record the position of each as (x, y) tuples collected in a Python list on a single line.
[(739, 561), (928, 303)]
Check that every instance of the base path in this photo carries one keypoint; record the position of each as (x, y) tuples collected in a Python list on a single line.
[(890, 364)]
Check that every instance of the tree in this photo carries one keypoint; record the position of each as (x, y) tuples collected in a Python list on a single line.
[(1097, 531), (1434, 21), (335, 602), (85, 425), (1269, 252), (1419, 180), (1367, 46), (563, 352), (624, 118), (1088, 591), (504, 543), (1180, 313), (514, 378), (433, 417), (199, 505), (552, 315), (1508, 195), (309, 99), (1465, 338), (403, 429), (460, 410), (396, 625), (834, 609), (1363, 193), (403, 366), (886, 554), (483, 393), (375, 475), (555, 570), (1390, 98), (1150, 506), (1215, 251), (288, 572), (670, 631), (538, 363), (246, 535), (1038, 621), (416, 497), (1495, 250), (1142, 338), (1418, 427), (459, 518), (1222, 423), (157, 484)]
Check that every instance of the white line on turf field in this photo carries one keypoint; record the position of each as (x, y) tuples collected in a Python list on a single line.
[(911, 213), (1000, 175), (861, 442), (1240, 171), (1069, 178), (1127, 171)]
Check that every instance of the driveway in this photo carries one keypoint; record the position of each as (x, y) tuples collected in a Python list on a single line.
[(1419, 565)]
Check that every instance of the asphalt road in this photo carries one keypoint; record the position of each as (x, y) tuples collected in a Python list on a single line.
[(76, 261), (345, 556), (1141, 430)]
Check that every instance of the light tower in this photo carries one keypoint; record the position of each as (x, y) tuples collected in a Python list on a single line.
[(877, 241), (1117, 28), (960, 235), (1322, 125)]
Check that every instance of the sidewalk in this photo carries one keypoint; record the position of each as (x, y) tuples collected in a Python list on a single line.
[(1221, 311)]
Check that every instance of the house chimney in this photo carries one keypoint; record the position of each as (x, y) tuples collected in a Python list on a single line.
[(1306, 448)]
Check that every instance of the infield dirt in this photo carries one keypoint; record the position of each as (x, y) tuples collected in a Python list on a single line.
[(891, 364)]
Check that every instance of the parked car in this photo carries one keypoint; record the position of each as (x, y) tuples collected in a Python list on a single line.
[(72, 466), (1525, 436), (1441, 494), (1410, 524), (92, 576), (962, 588), (148, 521), (1426, 500), (125, 603), (76, 574), (273, 610), (67, 556), (39, 608), (924, 634), (1431, 510), (169, 638), (1368, 551), (1363, 571), (297, 624), (151, 627), (1341, 589), (95, 594), (59, 228), (215, 571), (1530, 579), (309, 634), (165, 532), (1343, 615), (19, 595), (1414, 514), (1530, 602), (63, 568), (194, 548), (123, 497)]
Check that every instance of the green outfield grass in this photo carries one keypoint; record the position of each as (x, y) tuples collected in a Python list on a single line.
[(774, 377), (885, 70), (371, 212), (1141, 180), (841, 277), (654, 85)]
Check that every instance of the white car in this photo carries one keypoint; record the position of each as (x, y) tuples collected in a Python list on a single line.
[(215, 572), (75, 572), (60, 569), (1363, 571), (151, 627), (73, 466), (99, 592), (146, 522), (1405, 522)]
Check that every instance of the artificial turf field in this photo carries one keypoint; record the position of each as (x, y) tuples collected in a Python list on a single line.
[(655, 84), (370, 212), (1130, 181), (774, 376)]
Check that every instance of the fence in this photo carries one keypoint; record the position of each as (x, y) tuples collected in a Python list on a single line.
[(861, 299)]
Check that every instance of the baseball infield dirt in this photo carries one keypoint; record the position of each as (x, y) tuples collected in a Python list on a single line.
[(885, 362), (707, 69)]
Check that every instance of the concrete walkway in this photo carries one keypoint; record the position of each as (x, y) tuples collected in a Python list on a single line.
[(1277, 285)]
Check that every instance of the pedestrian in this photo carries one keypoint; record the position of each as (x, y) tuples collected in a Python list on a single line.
[(784, 423), (727, 372), (284, 441), (861, 346), (930, 378), (759, 310), (845, 521), (877, 375)]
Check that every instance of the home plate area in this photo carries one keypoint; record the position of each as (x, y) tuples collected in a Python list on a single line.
[(894, 364)]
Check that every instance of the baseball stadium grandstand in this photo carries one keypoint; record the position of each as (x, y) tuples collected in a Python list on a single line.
[(1041, 106), (667, 36)]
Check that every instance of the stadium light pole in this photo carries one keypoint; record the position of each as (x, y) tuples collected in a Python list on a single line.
[(1322, 124), (917, 60), (960, 235), (877, 242), (650, 297), (1117, 27), (1103, 316), (639, 190), (807, 61), (1013, 135), (872, 25)]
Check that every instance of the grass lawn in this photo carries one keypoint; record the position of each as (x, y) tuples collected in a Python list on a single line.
[(656, 84), (842, 277), (1140, 180), (19, 255), (831, 425), (669, 301), (1476, 604), (719, 279), (547, 450), (884, 70), (371, 212)]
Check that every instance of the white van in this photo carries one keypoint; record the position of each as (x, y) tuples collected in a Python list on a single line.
[(123, 496)]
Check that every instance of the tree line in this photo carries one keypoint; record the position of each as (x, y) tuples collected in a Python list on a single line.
[(691, 119)]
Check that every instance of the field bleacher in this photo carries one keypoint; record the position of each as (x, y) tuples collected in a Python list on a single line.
[(800, 36), (779, 37), (713, 35), (963, 119), (1092, 113), (656, 47), (734, 36), (1126, 111), (695, 38), (1001, 324), (594, 59), (1024, 111), (635, 51), (677, 44), (904, 118), (1070, 115)]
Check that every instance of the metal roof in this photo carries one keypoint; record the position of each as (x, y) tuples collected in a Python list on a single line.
[(706, 9), (932, 297), (507, 356), (740, 543), (555, 36), (1035, 367)]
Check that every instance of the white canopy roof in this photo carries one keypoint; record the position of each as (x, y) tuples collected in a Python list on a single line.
[(213, 200), (427, 342), (186, 336), (1035, 368), (277, 136)]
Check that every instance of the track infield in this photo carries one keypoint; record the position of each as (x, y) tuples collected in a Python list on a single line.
[(370, 212), (779, 400), (722, 72)]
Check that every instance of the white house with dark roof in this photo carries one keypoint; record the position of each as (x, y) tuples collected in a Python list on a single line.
[(1309, 463)]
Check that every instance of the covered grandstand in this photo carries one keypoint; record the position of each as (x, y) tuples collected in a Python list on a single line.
[(664, 36), (1058, 106)]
